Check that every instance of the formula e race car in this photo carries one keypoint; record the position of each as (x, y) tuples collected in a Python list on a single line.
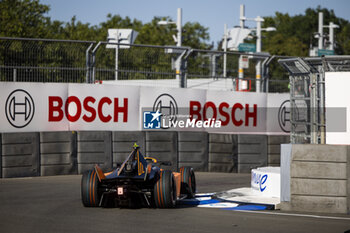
[(138, 181)]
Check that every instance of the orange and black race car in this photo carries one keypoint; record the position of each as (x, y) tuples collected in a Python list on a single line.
[(138, 181)]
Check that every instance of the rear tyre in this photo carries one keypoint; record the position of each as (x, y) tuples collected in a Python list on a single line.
[(89, 189), (164, 190), (188, 182)]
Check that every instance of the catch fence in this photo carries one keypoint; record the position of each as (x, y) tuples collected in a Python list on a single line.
[(47, 60), (307, 95)]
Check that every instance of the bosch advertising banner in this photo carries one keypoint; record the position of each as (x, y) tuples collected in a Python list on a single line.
[(278, 113), (239, 112), (170, 109), (24, 107), (29, 107), (60, 107)]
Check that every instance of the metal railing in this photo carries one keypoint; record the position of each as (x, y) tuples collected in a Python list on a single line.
[(307, 91), (47, 60), (43, 60)]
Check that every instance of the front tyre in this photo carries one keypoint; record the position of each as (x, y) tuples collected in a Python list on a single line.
[(164, 190), (89, 189)]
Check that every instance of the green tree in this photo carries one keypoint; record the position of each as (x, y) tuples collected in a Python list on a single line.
[(76, 30), (23, 18), (194, 35), (116, 21), (152, 33), (295, 34)]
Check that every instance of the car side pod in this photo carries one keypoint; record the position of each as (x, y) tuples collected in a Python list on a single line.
[(165, 190), (90, 184)]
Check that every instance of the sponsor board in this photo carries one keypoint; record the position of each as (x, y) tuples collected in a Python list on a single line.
[(278, 114), (61, 107), (265, 181)]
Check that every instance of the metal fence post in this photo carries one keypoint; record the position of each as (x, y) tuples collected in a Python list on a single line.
[(182, 70), (265, 73), (94, 62), (322, 103), (292, 108), (14, 74), (313, 108), (88, 64)]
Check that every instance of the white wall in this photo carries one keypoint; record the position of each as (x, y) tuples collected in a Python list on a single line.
[(337, 107)]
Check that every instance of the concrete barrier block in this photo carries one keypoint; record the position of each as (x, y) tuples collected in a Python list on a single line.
[(94, 147), (252, 152), (193, 150), (221, 147), (58, 153), (222, 153), (278, 139), (320, 153), (123, 141), (20, 154), (274, 148), (318, 187), (348, 178), (0, 155), (319, 179), (163, 146), (274, 160), (221, 138), (251, 139), (317, 204), (318, 170)]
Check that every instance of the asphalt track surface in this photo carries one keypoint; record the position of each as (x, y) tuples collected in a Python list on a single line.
[(52, 204)]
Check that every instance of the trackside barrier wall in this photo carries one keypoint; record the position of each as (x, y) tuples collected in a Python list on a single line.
[(58, 153), (122, 142), (274, 149), (193, 150), (223, 153), (94, 147), (163, 145), (252, 152), (319, 179), (20, 154), (66, 152)]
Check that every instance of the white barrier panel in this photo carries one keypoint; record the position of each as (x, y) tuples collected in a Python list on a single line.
[(24, 107), (238, 111), (278, 113), (337, 107), (103, 107), (266, 181), (61, 107), (174, 103)]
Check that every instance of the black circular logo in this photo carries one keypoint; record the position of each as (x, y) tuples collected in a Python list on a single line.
[(19, 108), (166, 105), (284, 116)]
